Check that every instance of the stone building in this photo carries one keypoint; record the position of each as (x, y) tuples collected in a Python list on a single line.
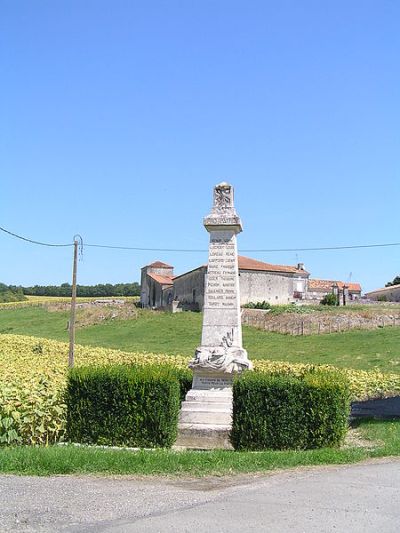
[(318, 288), (386, 294), (156, 283), (259, 281)]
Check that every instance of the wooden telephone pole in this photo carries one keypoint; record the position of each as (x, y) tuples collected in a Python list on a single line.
[(71, 355)]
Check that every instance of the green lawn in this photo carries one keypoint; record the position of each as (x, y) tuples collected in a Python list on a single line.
[(384, 438), (180, 334)]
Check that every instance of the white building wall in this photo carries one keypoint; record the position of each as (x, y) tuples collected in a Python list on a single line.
[(391, 294), (275, 288)]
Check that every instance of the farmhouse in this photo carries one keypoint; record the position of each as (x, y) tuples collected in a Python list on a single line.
[(259, 281), (386, 294), (318, 288)]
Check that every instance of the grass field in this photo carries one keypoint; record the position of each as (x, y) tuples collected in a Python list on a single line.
[(34, 301), (180, 333), (380, 439)]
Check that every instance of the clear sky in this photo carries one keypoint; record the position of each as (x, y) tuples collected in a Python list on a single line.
[(118, 117)]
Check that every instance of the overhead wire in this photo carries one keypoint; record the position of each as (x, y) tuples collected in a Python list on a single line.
[(33, 241), (194, 250)]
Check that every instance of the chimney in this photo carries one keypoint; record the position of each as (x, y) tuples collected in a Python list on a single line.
[(300, 266)]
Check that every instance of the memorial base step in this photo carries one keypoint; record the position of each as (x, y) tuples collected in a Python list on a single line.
[(205, 419), (204, 416), (204, 436)]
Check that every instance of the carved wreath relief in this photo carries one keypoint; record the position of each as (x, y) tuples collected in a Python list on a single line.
[(224, 358)]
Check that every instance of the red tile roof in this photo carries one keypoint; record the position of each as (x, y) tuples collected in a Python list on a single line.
[(159, 264), (246, 263), (326, 285), (162, 280)]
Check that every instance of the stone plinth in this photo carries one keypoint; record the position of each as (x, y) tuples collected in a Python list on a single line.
[(206, 415)]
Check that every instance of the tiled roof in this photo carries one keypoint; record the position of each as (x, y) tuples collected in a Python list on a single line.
[(246, 263), (159, 264), (162, 280), (326, 285)]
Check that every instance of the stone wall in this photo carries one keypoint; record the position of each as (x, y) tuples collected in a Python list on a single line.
[(391, 294), (279, 288), (255, 286), (189, 289), (319, 322), (316, 296)]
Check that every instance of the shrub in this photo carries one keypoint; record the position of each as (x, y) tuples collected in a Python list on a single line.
[(257, 305), (123, 405), (329, 299), (289, 412), (33, 374)]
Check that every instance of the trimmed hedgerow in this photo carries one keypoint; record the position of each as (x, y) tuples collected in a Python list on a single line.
[(289, 412), (124, 405)]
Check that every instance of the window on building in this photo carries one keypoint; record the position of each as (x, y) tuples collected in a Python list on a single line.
[(299, 286)]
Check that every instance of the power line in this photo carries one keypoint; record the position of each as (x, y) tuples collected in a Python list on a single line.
[(146, 249), (194, 250), (320, 248), (31, 240)]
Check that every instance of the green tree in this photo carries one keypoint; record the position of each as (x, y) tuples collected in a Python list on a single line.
[(396, 281)]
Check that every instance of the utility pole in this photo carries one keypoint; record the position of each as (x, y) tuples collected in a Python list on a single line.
[(73, 303)]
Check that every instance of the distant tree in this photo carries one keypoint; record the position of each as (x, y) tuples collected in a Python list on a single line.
[(100, 290), (396, 281), (11, 293)]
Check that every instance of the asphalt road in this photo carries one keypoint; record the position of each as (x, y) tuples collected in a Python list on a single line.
[(357, 498)]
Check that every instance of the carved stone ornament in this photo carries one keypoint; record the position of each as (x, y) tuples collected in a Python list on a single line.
[(228, 360), (223, 196)]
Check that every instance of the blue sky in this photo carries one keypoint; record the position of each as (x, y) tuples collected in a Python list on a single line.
[(118, 117)]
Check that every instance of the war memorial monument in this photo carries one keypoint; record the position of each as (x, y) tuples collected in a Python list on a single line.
[(206, 414)]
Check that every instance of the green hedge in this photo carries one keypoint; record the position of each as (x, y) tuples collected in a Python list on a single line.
[(125, 405), (288, 412)]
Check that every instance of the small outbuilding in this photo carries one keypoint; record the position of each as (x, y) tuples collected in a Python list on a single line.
[(386, 294), (156, 283)]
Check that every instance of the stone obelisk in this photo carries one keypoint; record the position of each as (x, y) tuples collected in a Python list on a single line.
[(206, 414)]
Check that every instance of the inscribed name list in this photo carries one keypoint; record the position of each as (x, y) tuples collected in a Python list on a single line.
[(222, 274)]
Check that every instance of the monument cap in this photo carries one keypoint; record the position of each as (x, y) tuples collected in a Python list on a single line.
[(223, 214)]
